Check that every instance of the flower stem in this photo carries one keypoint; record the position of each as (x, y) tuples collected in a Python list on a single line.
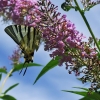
[(4, 81), (87, 24)]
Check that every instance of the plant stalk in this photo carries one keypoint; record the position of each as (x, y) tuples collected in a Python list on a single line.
[(87, 24), (4, 81)]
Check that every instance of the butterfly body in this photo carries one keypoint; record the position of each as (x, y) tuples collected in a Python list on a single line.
[(28, 39)]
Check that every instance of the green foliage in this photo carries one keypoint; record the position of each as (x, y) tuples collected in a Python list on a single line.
[(98, 55), (82, 88), (22, 65), (99, 42), (11, 87), (2, 70), (0, 76), (7, 97), (4, 96), (66, 7), (86, 93), (93, 96), (53, 63)]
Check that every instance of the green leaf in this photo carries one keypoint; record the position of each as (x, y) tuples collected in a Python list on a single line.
[(82, 88), (98, 42), (50, 65), (2, 70), (11, 87), (0, 76), (82, 93), (66, 6), (8, 97), (22, 65), (98, 55), (93, 96), (86, 98)]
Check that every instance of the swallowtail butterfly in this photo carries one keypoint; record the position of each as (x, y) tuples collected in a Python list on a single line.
[(28, 38)]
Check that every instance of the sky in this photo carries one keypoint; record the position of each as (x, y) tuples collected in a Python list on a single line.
[(49, 86)]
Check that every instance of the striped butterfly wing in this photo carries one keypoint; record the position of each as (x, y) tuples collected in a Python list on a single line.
[(29, 44), (28, 38), (12, 32)]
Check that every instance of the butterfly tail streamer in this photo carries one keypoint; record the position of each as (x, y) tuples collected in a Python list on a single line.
[(22, 69), (25, 71)]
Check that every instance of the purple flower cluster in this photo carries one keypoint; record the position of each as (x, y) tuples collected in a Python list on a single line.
[(3, 3), (25, 12), (15, 56), (87, 4), (20, 11), (61, 36), (59, 33)]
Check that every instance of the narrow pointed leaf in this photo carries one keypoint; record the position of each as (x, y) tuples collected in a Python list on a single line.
[(94, 96), (0, 76), (53, 63), (11, 87), (82, 93), (20, 66), (8, 97), (2, 70), (82, 88), (85, 98)]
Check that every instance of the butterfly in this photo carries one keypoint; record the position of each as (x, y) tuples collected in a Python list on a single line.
[(28, 38)]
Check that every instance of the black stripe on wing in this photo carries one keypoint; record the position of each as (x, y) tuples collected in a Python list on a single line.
[(28, 36), (37, 39), (20, 32), (9, 30)]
